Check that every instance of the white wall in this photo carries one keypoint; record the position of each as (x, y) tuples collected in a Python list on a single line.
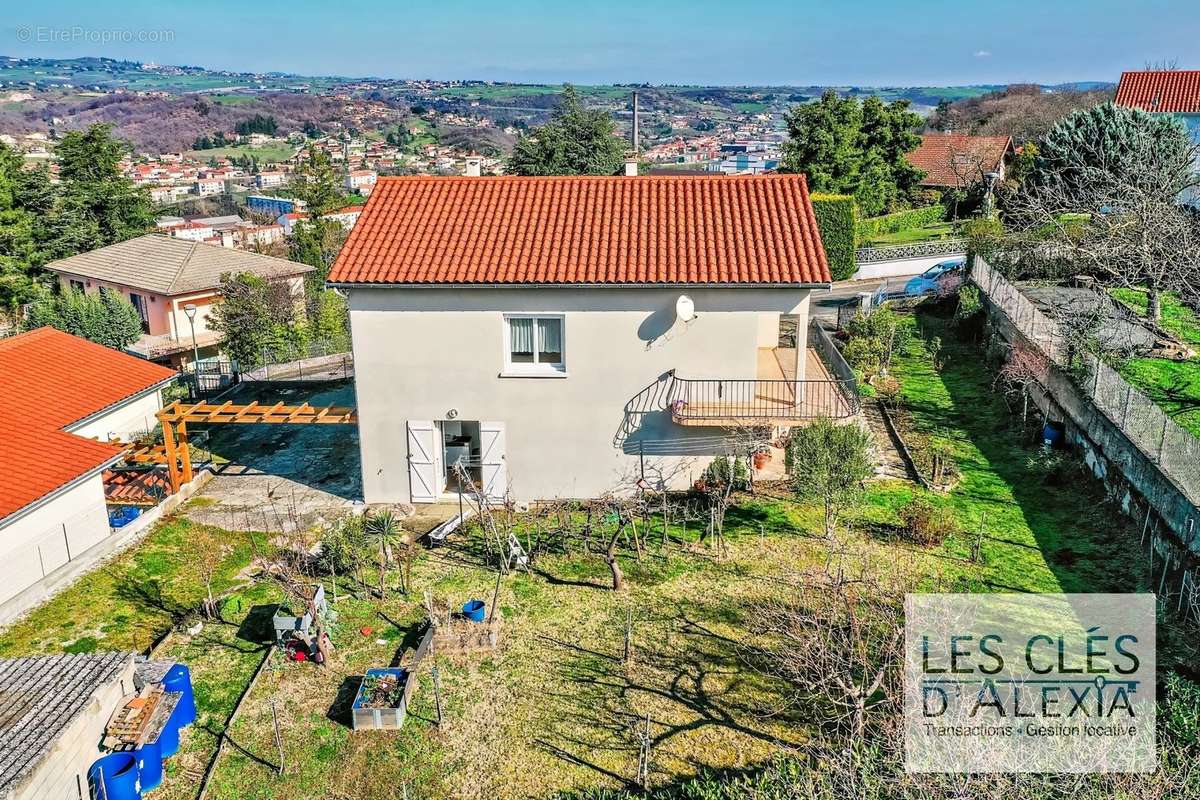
[(125, 421), (46, 538), (421, 352), (901, 266)]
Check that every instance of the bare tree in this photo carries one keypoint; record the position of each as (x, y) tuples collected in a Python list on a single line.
[(837, 637), (1122, 223)]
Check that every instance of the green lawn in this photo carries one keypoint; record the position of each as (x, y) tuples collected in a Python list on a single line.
[(1173, 385), (929, 233), (269, 154)]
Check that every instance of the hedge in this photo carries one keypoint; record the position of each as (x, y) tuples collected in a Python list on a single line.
[(900, 221), (836, 216)]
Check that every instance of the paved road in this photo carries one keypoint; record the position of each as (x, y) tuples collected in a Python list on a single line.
[(824, 304)]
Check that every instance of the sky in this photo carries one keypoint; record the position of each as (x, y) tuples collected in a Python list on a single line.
[(753, 42)]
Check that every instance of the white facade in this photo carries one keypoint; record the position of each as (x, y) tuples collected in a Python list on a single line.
[(62, 527), (125, 422), (431, 365)]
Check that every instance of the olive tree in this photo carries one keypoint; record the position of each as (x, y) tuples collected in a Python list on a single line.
[(829, 463)]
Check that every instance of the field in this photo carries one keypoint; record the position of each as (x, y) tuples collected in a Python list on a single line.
[(269, 154), (1173, 385), (557, 708)]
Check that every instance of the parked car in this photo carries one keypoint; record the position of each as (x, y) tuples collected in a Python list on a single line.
[(928, 280)]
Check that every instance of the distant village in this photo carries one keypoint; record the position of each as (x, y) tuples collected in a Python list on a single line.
[(252, 193)]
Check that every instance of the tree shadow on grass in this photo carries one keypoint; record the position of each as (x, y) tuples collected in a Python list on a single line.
[(149, 594), (693, 679)]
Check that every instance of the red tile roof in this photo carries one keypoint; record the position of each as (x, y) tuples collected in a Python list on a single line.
[(1173, 91), (52, 379), (950, 159), (705, 229)]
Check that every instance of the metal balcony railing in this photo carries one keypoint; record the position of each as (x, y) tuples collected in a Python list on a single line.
[(760, 402)]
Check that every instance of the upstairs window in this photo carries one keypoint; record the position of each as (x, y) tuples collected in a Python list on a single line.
[(534, 344)]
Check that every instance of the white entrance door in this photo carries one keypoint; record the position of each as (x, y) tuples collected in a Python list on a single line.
[(491, 457), (422, 470)]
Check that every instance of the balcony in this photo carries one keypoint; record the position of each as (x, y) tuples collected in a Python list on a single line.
[(165, 345), (774, 397)]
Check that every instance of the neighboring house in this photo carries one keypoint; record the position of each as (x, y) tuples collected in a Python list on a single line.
[(208, 186), (56, 711), (270, 180), (957, 161), (161, 276), (274, 206), (192, 231), (64, 399), (361, 181), (288, 221), (347, 217), (259, 235), (540, 329), (1172, 92), (754, 163)]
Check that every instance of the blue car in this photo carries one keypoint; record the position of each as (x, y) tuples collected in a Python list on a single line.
[(927, 281)]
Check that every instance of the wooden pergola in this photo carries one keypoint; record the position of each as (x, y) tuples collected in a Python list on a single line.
[(175, 419)]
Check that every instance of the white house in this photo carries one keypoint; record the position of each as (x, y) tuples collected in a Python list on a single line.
[(361, 181), (568, 336), (65, 398)]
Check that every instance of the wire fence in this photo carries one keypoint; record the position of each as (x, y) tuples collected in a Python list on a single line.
[(328, 359), (1171, 447)]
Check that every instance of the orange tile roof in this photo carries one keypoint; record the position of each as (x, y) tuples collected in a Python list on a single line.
[(1172, 91), (703, 229), (948, 159), (52, 379)]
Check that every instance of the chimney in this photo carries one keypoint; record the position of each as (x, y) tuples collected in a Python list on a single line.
[(631, 166), (474, 166)]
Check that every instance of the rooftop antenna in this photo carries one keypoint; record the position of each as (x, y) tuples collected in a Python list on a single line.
[(636, 139)]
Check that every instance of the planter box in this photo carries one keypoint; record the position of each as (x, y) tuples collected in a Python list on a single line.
[(362, 718)]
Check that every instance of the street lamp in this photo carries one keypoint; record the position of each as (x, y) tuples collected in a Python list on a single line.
[(190, 310), (991, 178)]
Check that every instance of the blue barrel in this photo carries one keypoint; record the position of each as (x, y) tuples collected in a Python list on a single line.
[(473, 610), (149, 765), (168, 739), (119, 775), (178, 679), (1052, 434)]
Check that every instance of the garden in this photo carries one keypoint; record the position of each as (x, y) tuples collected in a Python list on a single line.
[(589, 689), (1172, 383)]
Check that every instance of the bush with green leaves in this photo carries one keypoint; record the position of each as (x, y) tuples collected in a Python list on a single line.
[(104, 317), (724, 471), (344, 545), (828, 463), (871, 227), (875, 339), (836, 216)]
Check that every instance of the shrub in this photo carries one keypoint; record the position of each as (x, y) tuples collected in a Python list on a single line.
[(720, 472), (836, 218), (983, 234), (344, 545), (900, 221), (105, 317), (874, 339), (924, 523)]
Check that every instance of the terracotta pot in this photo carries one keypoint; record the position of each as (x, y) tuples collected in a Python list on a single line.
[(761, 459)]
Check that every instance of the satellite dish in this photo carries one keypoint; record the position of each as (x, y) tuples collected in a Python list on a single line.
[(685, 309)]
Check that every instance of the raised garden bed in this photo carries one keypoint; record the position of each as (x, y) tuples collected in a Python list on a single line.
[(382, 699)]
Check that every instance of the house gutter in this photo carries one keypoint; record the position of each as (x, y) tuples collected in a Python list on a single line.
[(343, 286), (50, 496)]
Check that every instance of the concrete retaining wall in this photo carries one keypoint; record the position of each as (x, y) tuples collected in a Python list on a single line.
[(1170, 522)]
